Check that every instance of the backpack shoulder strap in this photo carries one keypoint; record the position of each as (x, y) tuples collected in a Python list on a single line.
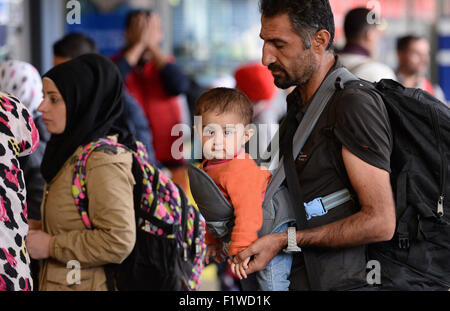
[(79, 191)]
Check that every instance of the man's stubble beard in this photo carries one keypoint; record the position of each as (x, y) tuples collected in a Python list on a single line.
[(302, 74)]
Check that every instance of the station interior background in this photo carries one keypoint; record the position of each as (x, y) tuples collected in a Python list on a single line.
[(209, 38)]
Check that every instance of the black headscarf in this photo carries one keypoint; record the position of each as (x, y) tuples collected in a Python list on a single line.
[(92, 89)]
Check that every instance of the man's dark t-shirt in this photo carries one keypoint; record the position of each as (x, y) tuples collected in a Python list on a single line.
[(361, 124)]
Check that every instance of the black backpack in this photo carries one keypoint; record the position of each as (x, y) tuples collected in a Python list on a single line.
[(170, 247), (418, 257)]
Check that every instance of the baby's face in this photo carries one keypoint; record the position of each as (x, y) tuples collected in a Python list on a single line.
[(223, 135)]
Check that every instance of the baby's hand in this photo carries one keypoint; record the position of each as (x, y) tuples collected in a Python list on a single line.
[(239, 269), (216, 252)]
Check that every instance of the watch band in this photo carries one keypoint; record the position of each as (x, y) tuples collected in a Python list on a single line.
[(292, 241)]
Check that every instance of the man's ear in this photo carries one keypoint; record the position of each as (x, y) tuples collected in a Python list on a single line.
[(321, 39)]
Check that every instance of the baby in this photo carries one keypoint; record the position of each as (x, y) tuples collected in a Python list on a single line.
[(225, 115)]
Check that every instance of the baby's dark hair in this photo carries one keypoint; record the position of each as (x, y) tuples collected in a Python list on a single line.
[(222, 100)]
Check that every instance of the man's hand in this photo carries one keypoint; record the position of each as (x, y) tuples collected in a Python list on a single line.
[(263, 251), (154, 34), (153, 39), (137, 32), (136, 37), (38, 244)]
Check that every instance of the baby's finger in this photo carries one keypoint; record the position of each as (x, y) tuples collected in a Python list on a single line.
[(245, 263), (242, 271), (236, 272)]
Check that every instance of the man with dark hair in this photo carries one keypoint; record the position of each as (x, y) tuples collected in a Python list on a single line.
[(413, 60), (298, 35), (72, 46), (156, 82), (362, 42)]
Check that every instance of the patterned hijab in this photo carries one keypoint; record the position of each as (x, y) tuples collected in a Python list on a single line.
[(92, 89), (23, 81)]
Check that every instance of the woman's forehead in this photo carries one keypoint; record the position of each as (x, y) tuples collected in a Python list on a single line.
[(49, 84)]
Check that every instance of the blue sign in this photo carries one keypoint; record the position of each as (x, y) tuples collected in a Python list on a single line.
[(106, 29)]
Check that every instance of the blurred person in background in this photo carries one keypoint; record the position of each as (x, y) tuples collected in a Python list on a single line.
[(362, 42), (76, 44), (156, 82), (24, 81), (413, 62), (72, 46)]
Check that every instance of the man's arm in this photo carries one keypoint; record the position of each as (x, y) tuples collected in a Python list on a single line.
[(374, 223), (376, 220)]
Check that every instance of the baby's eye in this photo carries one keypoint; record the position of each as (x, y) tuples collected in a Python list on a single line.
[(228, 132), (209, 132)]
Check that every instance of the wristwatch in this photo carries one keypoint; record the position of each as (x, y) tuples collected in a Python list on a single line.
[(292, 241)]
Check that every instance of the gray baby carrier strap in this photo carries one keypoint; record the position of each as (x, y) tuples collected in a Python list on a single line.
[(277, 206)]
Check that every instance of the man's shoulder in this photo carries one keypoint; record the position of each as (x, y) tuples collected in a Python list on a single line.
[(358, 97)]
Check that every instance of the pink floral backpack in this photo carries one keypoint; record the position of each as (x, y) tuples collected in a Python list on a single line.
[(170, 247)]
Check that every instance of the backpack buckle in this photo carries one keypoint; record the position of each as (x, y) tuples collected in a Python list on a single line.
[(185, 255), (339, 84), (198, 249), (315, 208), (403, 242)]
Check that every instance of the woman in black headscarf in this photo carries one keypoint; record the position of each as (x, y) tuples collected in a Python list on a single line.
[(82, 103)]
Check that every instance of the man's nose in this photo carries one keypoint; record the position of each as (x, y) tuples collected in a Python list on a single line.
[(267, 56)]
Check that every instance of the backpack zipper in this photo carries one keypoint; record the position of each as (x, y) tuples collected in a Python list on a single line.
[(441, 206), (440, 203), (44, 208), (196, 238)]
